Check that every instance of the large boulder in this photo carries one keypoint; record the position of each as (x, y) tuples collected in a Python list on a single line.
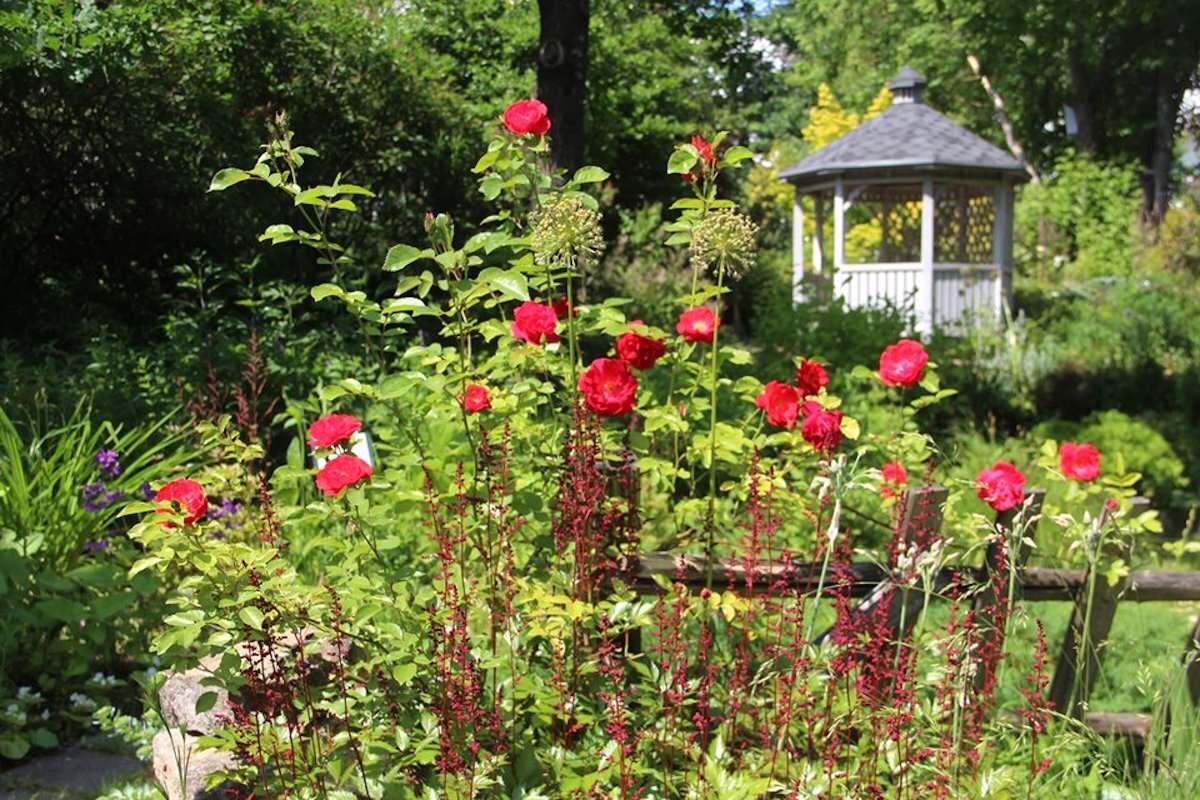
[(182, 768)]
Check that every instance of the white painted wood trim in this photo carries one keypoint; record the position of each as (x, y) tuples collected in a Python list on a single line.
[(925, 298), (839, 224), (798, 248)]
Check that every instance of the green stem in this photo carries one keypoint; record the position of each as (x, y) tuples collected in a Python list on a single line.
[(714, 369)]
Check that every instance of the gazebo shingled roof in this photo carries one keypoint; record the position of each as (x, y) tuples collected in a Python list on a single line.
[(909, 135)]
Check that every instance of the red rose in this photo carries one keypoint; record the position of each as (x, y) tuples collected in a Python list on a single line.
[(903, 363), (475, 398), (782, 404), (894, 476), (535, 323), (1079, 462), (186, 497), (639, 352), (608, 387), (331, 430), (527, 116), (561, 306), (704, 148), (822, 428), (811, 378), (1001, 486), (345, 470), (698, 324)]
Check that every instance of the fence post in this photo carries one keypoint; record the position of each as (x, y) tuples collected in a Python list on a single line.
[(1004, 561), (1191, 660), (920, 519), (1087, 632)]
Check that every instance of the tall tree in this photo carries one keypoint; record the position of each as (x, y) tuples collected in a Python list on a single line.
[(562, 75)]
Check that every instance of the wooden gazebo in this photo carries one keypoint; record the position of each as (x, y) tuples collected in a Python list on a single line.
[(912, 209)]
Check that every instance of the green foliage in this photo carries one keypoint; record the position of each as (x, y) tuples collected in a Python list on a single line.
[(1079, 223), (70, 609)]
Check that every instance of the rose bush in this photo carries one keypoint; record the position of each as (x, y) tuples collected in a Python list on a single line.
[(485, 572)]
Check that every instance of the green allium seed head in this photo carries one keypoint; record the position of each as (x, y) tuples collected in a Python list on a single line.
[(724, 236), (566, 230)]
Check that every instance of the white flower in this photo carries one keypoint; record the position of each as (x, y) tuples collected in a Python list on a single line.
[(81, 702)]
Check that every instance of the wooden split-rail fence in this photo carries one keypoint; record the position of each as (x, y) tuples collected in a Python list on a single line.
[(1082, 651)]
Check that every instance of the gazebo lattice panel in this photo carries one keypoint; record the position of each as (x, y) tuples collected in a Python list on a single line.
[(964, 219)]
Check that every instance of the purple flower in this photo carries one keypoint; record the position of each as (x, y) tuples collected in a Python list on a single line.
[(96, 498), (110, 466), (100, 545), (228, 508), (145, 490)]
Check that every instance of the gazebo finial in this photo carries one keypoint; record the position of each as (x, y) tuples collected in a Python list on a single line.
[(907, 87)]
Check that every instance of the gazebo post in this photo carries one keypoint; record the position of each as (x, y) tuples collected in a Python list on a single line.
[(798, 248), (818, 248), (1002, 235), (839, 225), (925, 304)]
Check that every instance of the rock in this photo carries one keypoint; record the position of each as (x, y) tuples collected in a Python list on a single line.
[(178, 696), (182, 769), (320, 653)]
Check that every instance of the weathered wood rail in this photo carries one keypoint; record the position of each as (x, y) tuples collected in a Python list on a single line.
[(1081, 654)]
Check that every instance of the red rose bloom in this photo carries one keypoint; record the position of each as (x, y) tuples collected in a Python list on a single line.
[(782, 404), (186, 497), (535, 323), (698, 324), (331, 430), (561, 306), (822, 428), (811, 378), (1001, 486), (608, 387), (476, 398), (527, 116), (639, 352), (704, 148), (903, 363), (894, 476), (345, 470), (1079, 462)]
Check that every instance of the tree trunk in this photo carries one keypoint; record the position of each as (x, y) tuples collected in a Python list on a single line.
[(1081, 101), (562, 76), (1168, 92)]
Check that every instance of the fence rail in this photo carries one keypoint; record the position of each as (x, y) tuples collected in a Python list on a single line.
[(1082, 650)]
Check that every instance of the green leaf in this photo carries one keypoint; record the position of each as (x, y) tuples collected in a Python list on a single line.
[(486, 160), (402, 255), (252, 616), (590, 175), (736, 155), (13, 746), (510, 284), (321, 291), (205, 702), (682, 160), (43, 737), (110, 605), (490, 187), (226, 178)]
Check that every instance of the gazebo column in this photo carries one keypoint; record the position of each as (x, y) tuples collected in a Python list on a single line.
[(839, 228), (818, 248), (798, 248), (925, 304), (1002, 236)]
